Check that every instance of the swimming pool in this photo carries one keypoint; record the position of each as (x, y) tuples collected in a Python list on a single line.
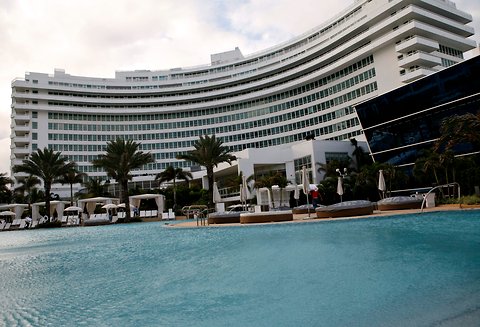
[(416, 270)]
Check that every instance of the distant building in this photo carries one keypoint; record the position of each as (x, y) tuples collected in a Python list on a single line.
[(306, 86)]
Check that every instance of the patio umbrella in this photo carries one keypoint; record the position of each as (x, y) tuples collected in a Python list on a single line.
[(305, 185), (73, 208), (340, 188), (296, 193), (109, 206), (381, 183), (217, 198), (7, 213), (245, 194)]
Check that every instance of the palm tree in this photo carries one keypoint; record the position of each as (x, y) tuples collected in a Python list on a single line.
[(361, 158), (209, 152), (5, 193), (429, 162), (94, 188), (73, 176), (27, 185), (121, 157), (330, 169), (459, 129), (47, 165), (171, 173)]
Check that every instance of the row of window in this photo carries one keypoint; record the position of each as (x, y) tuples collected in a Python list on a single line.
[(235, 117), (286, 117), (273, 98)]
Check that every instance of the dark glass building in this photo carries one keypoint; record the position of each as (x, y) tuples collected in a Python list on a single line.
[(400, 123)]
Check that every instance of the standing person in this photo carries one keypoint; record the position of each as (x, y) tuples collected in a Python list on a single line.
[(315, 197)]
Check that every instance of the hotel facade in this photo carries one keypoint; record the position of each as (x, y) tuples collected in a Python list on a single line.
[(307, 86)]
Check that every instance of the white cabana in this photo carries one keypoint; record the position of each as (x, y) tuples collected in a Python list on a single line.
[(89, 205), (136, 200), (18, 209), (280, 197), (55, 206)]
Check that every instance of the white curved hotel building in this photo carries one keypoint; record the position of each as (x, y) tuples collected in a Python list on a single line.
[(305, 86)]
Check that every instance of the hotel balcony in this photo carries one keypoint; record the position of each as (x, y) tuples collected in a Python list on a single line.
[(419, 59), (21, 151), (418, 43), (22, 128), (20, 119), (21, 140), (414, 74)]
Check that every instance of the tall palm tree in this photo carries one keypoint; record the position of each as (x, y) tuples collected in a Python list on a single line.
[(459, 129), (47, 165), (429, 162), (171, 173), (5, 193), (209, 152), (120, 159), (361, 158), (27, 185), (73, 176)]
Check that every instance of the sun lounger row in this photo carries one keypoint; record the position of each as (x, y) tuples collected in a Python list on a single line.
[(142, 214), (14, 225)]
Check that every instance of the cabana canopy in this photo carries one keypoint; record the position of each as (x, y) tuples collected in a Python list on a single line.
[(135, 200), (91, 203), (55, 206)]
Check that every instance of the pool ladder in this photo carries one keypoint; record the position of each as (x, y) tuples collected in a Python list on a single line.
[(439, 186)]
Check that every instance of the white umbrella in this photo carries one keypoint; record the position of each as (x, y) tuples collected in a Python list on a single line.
[(244, 194), (7, 213), (109, 206), (217, 198), (340, 188), (296, 192), (73, 208), (121, 205), (381, 182), (305, 185)]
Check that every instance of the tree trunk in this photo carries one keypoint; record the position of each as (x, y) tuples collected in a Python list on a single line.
[(125, 199), (210, 186), (48, 188), (71, 194), (174, 195)]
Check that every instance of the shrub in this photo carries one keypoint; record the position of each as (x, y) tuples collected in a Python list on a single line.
[(470, 199)]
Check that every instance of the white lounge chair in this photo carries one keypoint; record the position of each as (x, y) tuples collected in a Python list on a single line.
[(23, 223)]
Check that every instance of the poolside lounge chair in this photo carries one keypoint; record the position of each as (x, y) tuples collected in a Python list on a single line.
[(23, 223)]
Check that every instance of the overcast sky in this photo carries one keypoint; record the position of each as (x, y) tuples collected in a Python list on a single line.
[(97, 37)]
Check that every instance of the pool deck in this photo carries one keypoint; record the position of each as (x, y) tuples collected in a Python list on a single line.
[(305, 218)]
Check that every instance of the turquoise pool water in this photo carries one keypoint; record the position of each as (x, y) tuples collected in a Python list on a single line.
[(419, 270)]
